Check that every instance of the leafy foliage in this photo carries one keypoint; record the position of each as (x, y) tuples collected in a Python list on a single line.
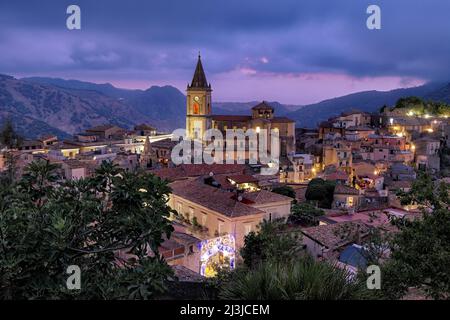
[(9, 140), (426, 194), (320, 191), (420, 255), (421, 107), (269, 243), (301, 279), (110, 225), (8, 136), (305, 214), (285, 191)]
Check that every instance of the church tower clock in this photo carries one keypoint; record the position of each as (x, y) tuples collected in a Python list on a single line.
[(198, 115)]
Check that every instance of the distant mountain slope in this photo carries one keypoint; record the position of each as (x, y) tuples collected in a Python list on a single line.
[(105, 88), (164, 107), (66, 110), (70, 106), (440, 95), (370, 101), (31, 128)]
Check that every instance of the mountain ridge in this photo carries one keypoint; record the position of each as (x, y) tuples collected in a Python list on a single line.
[(69, 106)]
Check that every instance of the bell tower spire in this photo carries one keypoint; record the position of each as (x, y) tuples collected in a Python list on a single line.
[(199, 79), (198, 104)]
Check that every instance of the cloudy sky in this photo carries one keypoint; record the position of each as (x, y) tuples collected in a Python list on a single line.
[(292, 51)]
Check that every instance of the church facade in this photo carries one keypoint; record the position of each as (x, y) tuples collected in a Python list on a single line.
[(199, 117)]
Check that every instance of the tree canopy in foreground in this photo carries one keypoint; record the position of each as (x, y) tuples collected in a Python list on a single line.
[(47, 224)]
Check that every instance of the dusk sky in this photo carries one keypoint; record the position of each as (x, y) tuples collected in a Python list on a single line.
[(291, 51)]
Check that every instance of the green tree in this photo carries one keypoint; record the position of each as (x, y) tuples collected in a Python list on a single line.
[(321, 191), (411, 103), (9, 140), (271, 242), (285, 191), (383, 109), (305, 214), (9, 137), (47, 224), (420, 256), (419, 107), (292, 279)]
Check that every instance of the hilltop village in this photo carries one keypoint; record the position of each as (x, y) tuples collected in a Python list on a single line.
[(348, 171)]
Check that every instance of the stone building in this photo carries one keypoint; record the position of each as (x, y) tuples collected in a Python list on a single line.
[(199, 117)]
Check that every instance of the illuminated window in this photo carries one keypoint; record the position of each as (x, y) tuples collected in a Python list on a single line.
[(196, 108), (350, 201)]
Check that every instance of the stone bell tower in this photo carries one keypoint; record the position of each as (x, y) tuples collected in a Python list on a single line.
[(148, 158), (198, 114)]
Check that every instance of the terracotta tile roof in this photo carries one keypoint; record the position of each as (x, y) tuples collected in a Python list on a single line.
[(212, 198), (47, 137), (29, 143), (170, 174), (242, 178), (184, 238), (360, 128), (75, 164), (223, 181), (166, 143), (281, 119), (230, 118), (392, 185), (186, 275), (336, 235), (373, 218), (263, 197), (341, 189), (195, 170), (349, 113), (263, 106), (339, 175)]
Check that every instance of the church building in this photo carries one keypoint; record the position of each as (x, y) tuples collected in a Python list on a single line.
[(199, 117)]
